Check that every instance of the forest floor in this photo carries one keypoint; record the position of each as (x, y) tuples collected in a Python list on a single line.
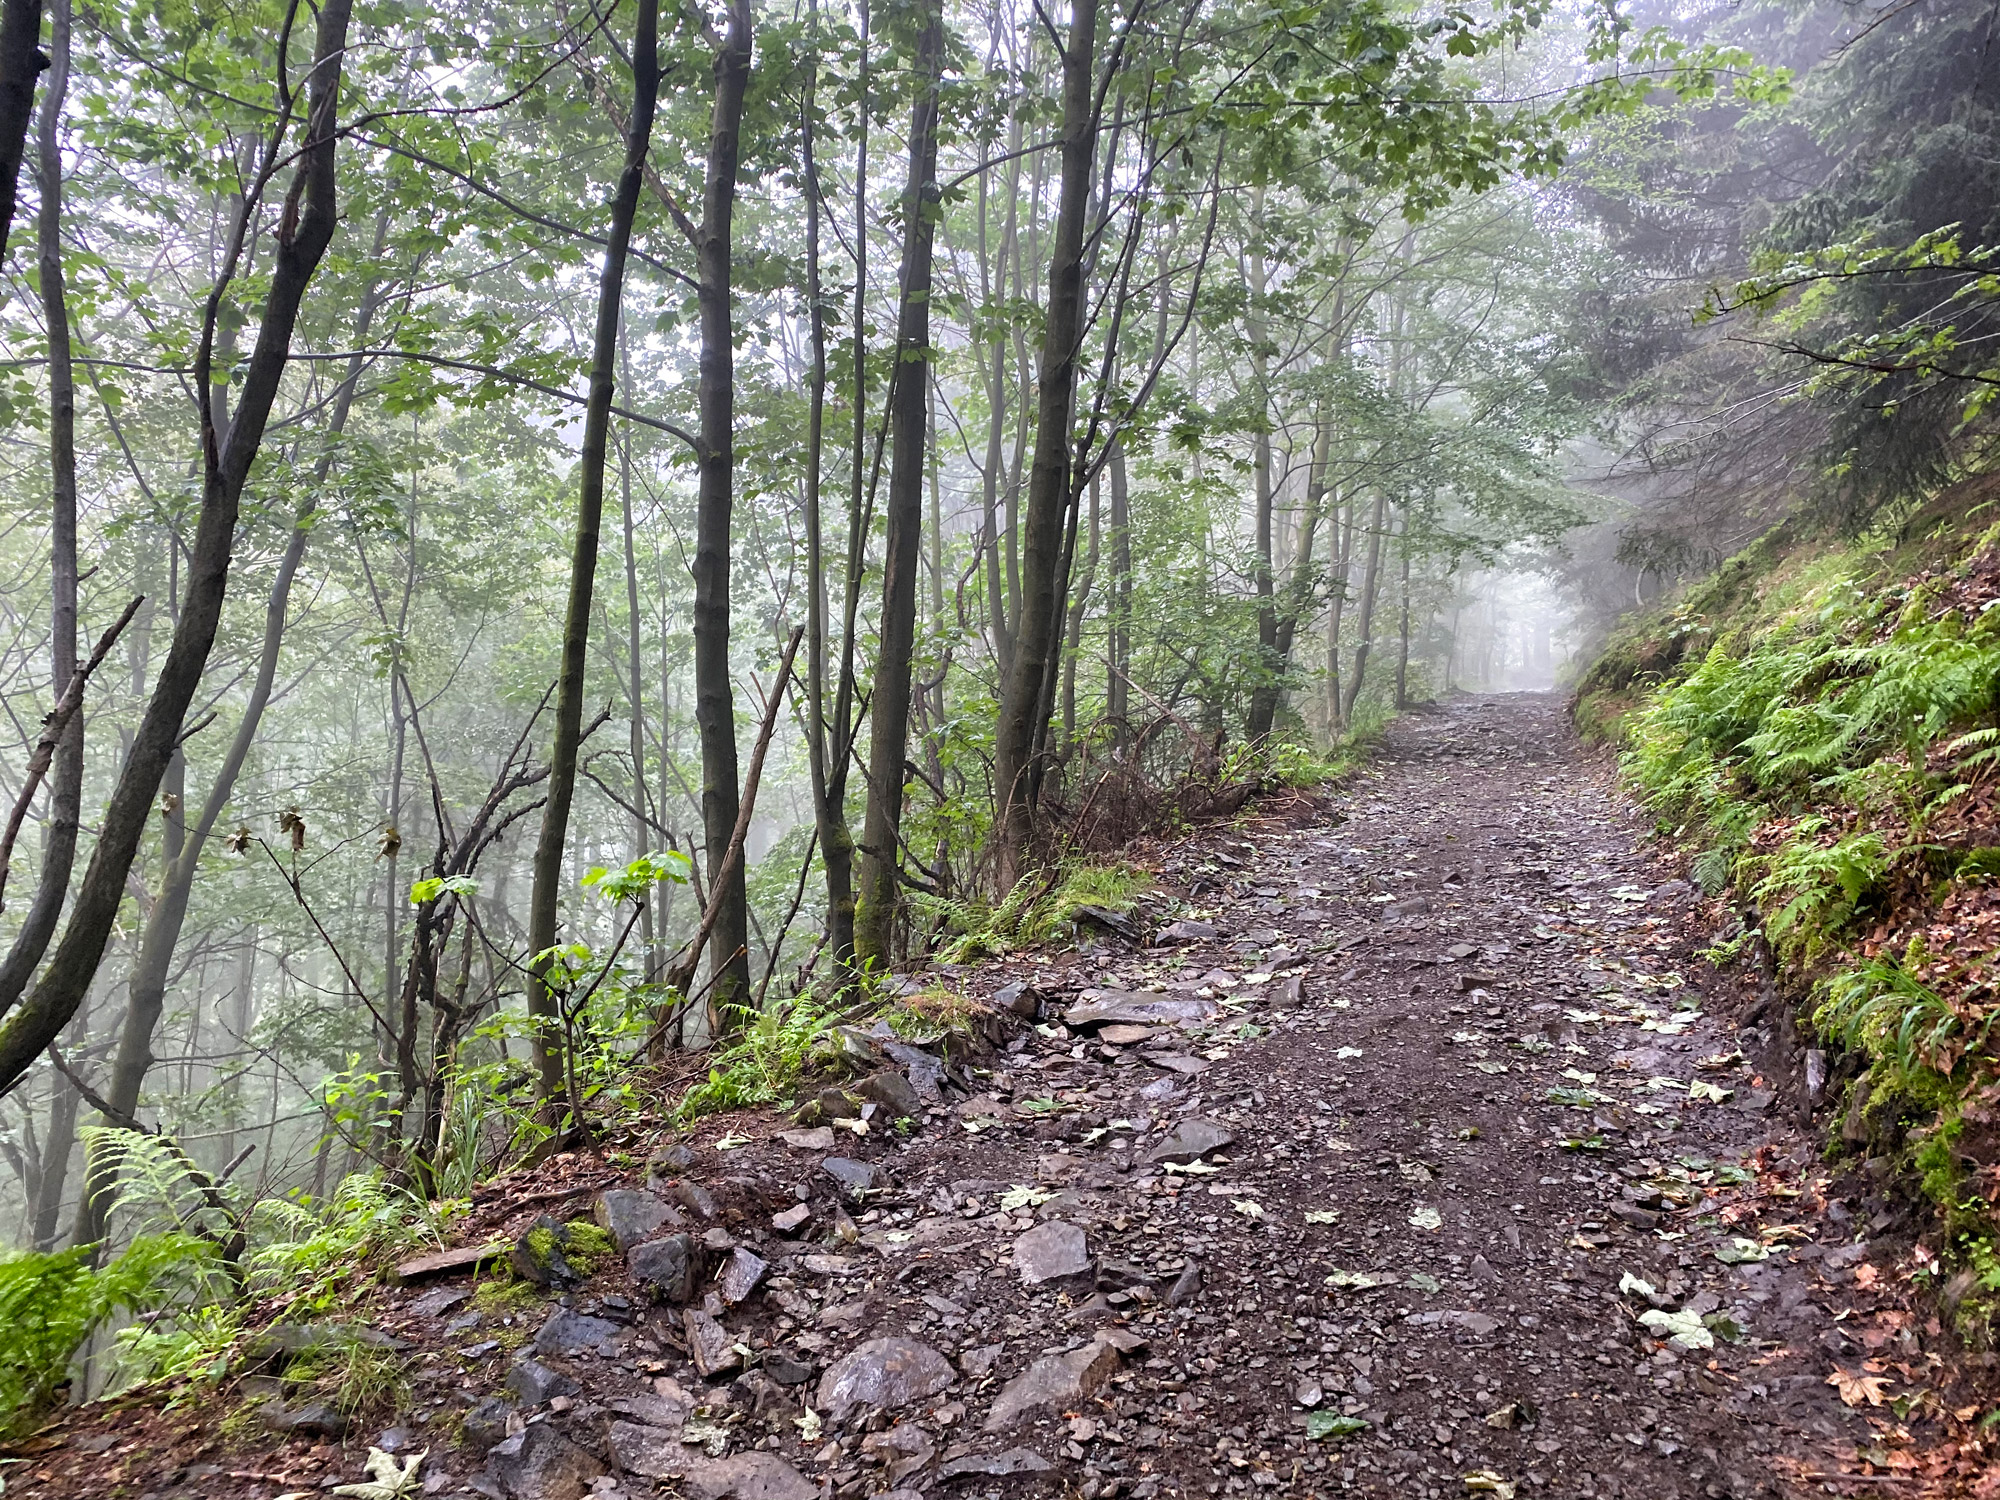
[(1443, 1168)]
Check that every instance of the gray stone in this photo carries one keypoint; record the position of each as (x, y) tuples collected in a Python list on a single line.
[(855, 1176), (571, 1333), (665, 1267), (747, 1476), (1057, 1381), (1019, 999), (818, 1138), (883, 1374), (1186, 1287), (793, 1218), (695, 1198), (631, 1217), (537, 1256), (739, 1275), (666, 1405), (892, 1091), (539, 1463), (486, 1423), (1186, 931), (1108, 1007), (1191, 1140), (995, 1465), (925, 1071), (438, 1301), (1288, 993), (903, 1450), (1054, 1251), (311, 1418), (1478, 1324), (531, 1383), (785, 1370), (712, 1346)]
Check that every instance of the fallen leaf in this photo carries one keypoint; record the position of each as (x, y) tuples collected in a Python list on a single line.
[(1630, 1285), (732, 1141), (1700, 1089), (1021, 1196), (1682, 1330), (1486, 1482), (1740, 1251), (1346, 1052), (1321, 1216), (1426, 1218), (389, 1480), (1248, 1209), (1856, 1389), (1423, 1281), (1193, 1168), (1327, 1424), (1579, 1075), (1490, 1066), (1866, 1275)]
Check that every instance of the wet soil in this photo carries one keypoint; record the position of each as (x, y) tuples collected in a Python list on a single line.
[(1448, 1170)]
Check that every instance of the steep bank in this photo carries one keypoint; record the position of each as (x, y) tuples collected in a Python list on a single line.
[(1815, 728)]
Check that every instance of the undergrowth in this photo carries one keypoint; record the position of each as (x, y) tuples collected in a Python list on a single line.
[(1820, 729)]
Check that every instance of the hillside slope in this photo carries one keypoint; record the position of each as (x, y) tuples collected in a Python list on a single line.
[(1815, 727)]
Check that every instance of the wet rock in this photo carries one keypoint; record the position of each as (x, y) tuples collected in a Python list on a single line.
[(1186, 1287), (695, 1198), (892, 1091), (1114, 1007), (739, 1276), (1115, 922), (539, 1463), (855, 1176), (439, 1301), (828, 1104), (1126, 1036), (569, 1333), (925, 1071), (281, 1343), (1019, 999), (309, 1419), (884, 1374), (712, 1346), (631, 1217), (748, 1476), (976, 1361), (666, 1267), (486, 1423), (539, 1255), (1191, 1140), (994, 1465), (673, 1160), (1055, 1381), (792, 1219), (1288, 993), (1186, 931), (785, 1370), (1054, 1251), (903, 1450), (531, 1383)]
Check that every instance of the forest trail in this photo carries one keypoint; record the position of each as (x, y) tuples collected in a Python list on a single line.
[(1362, 1230)]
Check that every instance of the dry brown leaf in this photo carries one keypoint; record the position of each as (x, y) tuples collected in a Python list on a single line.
[(1856, 1389)]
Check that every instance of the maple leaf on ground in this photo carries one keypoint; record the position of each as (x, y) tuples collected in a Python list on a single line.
[(1856, 1389), (1866, 1275)]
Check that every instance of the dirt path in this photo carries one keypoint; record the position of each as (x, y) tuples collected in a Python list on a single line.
[(1339, 1200)]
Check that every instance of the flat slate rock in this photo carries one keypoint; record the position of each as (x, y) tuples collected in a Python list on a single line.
[(449, 1262), (1057, 1381), (883, 1374), (1186, 931), (658, 1453), (740, 1275), (855, 1176), (569, 1333), (712, 1346), (817, 1138), (1191, 1140), (994, 1465), (1053, 1251), (632, 1217), (1118, 1007)]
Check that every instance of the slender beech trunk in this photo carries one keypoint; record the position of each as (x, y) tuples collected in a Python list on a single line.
[(829, 783), (715, 699), (1364, 622), (1077, 607), (1118, 639), (889, 713), (65, 816), (20, 60), (1403, 627), (1048, 497), (635, 686), (545, 895), (299, 244)]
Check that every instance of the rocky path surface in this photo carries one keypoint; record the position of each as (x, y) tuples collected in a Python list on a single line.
[(1411, 1162)]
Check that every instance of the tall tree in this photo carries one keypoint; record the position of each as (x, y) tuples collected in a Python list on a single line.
[(909, 384), (544, 899), (715, 697)]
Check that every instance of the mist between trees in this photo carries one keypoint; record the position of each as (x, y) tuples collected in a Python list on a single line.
[(534, 534)]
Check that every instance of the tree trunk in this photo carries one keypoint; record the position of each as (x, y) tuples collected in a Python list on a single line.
[(1364, 621), (545, 896), (65, 816), (1118, 649), (1403, 626), (881, 833), (1078, 605), (715, 702), (301, 241), (829, 782), (1048, 498), (20, 60)]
